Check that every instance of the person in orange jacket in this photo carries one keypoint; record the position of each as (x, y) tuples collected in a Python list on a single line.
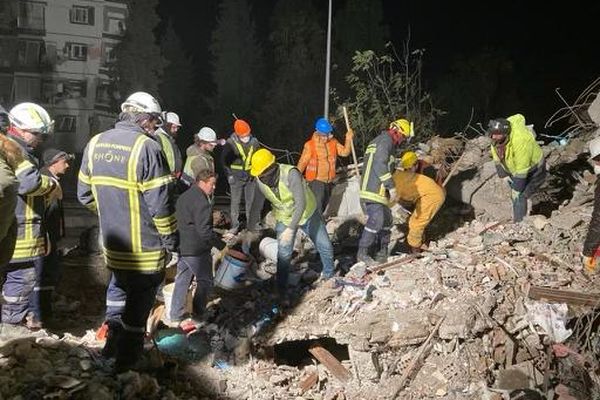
[(318, 160)]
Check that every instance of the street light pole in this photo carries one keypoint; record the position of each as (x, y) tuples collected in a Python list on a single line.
[(328, 63)]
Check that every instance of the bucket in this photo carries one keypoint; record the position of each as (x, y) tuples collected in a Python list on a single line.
[(268, 248), (231, 273)]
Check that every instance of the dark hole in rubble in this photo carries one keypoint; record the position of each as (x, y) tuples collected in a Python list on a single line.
[(295, 353), (560, 185)]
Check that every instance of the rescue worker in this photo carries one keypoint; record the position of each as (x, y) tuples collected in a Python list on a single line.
[(236, 156), (591, 245), (194, 217), (10, 158), (294, 207), (422, 191), (318, 160), (56, 164), (29, 125), (200, 154), (125, 178), (166, 135), (411, 160), (377, 189), (519, 160)]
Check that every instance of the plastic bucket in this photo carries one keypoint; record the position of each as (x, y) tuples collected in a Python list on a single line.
[(268, 248), (231, 273)]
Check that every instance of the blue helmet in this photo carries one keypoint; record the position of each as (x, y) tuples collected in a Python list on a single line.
[(323, 126)]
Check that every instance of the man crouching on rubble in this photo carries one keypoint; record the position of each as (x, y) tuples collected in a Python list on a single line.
[(197, 238), (591, 246), (294, 206)]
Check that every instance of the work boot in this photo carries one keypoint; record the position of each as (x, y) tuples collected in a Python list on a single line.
[(363, 255), (130, 351), (113, 331)]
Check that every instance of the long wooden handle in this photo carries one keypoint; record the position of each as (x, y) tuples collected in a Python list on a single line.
[(453, 170), (351, 143)]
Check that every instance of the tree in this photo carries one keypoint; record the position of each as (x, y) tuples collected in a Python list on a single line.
[(237, 62), (295, 96), (139, 64)]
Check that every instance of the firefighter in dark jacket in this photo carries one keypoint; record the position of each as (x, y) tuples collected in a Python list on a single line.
[(125, 178), (377, 190), (591, 245), (56, 163), (30, 123), (194, 219)]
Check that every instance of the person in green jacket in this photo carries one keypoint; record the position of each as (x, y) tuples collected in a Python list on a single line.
[(519, 160)]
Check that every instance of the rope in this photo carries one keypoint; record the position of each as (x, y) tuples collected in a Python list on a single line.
[(286, 153)]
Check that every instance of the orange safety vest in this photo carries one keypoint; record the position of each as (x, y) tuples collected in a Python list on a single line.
[(313, 163)]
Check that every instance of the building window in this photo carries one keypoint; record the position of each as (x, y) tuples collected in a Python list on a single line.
[(114, 20), (66, 123), (6, 89), (82, 15), (27, 89), (29, 52), (76, 51), (31, 15), (108, 54)]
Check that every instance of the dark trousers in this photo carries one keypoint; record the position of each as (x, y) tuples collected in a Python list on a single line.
[(189, 267), (17, 291), (322, 192), (129, 298), (253, 202), (378, 227), (47, 276), (519, 199)]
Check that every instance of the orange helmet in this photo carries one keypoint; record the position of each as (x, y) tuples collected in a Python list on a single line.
[(241, 128)]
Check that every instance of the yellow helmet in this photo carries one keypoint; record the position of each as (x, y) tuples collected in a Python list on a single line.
[(404, 126), (409, 159), (261, 160)]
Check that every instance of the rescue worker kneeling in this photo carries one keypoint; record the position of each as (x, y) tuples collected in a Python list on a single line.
[(424, 192), (294, 207), (197, 238)]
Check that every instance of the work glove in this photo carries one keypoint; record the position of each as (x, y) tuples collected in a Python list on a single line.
[(349, 134), (590, 264), (287, 235), (393, 196), (222, 253), (514, 194), (173, 260), (230, 179), (507, 180)]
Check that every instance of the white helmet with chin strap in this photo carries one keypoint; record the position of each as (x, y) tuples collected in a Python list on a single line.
[(141, 102), (32, 118)]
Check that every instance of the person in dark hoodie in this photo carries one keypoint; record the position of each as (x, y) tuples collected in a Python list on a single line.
[(194, 219)]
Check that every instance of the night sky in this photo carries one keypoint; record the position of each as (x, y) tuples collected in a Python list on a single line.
[(549, 46)]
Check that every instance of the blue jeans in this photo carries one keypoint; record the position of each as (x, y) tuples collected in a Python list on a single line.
[(378, 226), (187, 268), (314, 227)]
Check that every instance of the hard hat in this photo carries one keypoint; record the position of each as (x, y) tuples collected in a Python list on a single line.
[(261, 160), (241, 127), (323, 126), (498, 125), (403, 126), (207, 134), (408, 159), (31, 117), (595, 148), (172, 118), (141, 102)]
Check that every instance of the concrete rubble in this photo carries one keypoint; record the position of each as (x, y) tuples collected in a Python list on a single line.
[(492, 341)]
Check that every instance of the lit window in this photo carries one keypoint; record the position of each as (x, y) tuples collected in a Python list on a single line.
[(76, 51)]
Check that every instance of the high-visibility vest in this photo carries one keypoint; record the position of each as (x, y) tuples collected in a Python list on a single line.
[(313, 164), (242, 163), (283, 205)]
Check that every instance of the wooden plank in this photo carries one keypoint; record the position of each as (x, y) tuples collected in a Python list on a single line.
[(331, 363), (563, 296), (308, 382)]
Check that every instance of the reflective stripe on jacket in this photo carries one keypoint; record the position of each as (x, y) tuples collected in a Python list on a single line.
[(522, 153), (283, 204), (170, 150), (124, 176), (378, 164), (319, 157), (243, 152), (33, 186)]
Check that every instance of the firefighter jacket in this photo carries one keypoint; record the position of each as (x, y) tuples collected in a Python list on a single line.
[(521, 154), (591, 245), (282, 198), (378, 165), (236, 156), (171, 151), (125, 178), (33, 186), (10, 158), (320, 155)]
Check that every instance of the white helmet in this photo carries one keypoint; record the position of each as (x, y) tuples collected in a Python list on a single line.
[(31, 117), (141, 102), (595, 147), (172, 118), (206, 134)]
